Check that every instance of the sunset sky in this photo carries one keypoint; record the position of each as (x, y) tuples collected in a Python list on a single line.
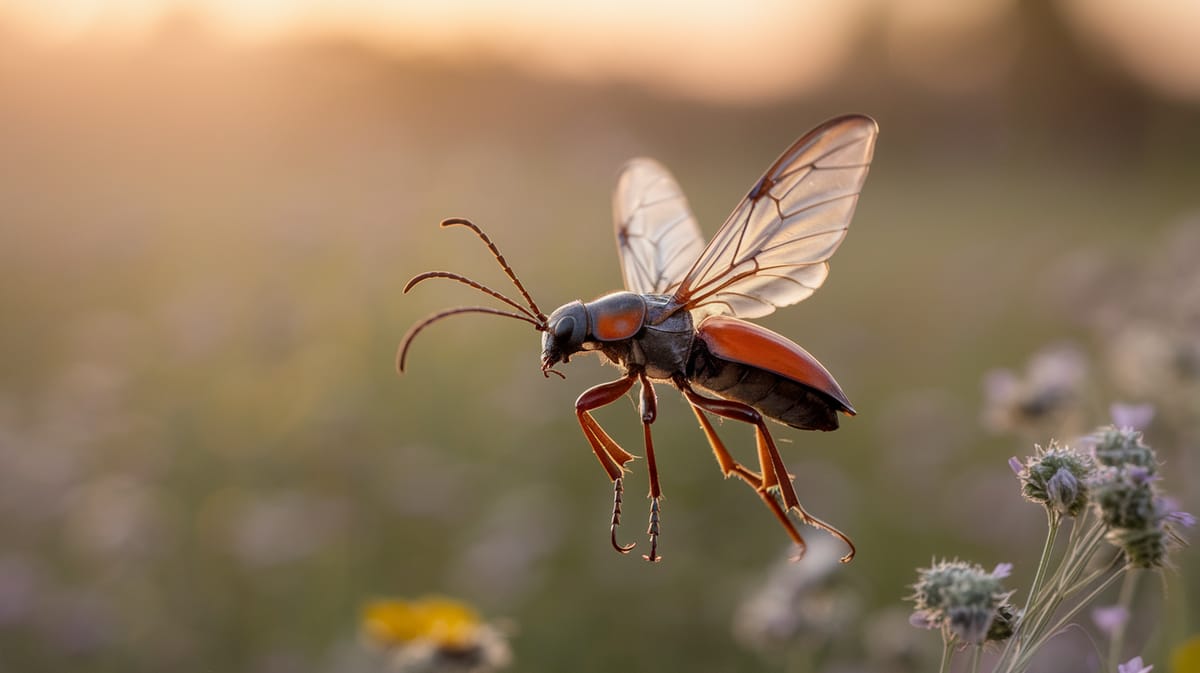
[(723, 50)]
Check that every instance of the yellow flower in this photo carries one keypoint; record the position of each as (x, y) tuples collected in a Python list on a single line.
[(1186, 657), (443, 622)]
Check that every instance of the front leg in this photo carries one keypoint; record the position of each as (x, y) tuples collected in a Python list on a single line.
[(611, 456)]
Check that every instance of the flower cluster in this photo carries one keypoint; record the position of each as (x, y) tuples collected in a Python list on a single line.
[(1126, 497), (1118, 480), (965, 601), (1109, 494)]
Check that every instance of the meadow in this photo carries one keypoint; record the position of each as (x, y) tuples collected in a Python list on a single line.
[(209, 463)]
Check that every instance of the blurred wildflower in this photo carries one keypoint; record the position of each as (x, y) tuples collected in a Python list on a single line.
[(508, 547), (1149, 358), (963, 600), (1056, 477), (283, 527), (890, 643), (1134, 665), (798, 601), (112, 515), (1132, 416), (434, 635), (1110, 619), (18, 589), (1044, 399), (1186, 657)]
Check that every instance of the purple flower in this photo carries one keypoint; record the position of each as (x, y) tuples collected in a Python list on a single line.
[(1016, 465), (1110, 618), (1134, 665), (923, 620), (1002, 570)]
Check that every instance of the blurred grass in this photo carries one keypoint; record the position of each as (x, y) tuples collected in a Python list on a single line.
[(211, 464)]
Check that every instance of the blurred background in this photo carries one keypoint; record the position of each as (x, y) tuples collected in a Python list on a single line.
[(208, 211)]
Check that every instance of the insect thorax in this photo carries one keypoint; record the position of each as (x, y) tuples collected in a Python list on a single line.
[(661, 348)]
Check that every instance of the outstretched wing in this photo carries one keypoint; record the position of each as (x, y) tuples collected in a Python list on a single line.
[(657, 236), (772, 250)]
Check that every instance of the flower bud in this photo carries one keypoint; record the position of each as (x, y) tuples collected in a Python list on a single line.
[(1057, 477)]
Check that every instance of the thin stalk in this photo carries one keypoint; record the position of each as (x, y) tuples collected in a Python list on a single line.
[(1053, 522), (975, 655), (947, 652), (1054, 519), (1065, 619), (1056, 591)]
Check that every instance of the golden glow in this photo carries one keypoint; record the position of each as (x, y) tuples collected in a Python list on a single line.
[(1156, 40), (952, 46), (719, 50)]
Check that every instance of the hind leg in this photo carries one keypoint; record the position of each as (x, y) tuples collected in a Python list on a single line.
[(773, 473)]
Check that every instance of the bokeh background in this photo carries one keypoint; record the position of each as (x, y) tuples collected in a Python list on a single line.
[(208, 211)]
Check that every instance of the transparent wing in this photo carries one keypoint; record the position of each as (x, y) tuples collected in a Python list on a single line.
[(657, 236), (772, 250)]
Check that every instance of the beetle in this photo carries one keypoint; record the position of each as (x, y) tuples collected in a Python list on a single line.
[(683, 316)]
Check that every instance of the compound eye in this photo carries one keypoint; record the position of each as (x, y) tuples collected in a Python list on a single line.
[(564, 328)]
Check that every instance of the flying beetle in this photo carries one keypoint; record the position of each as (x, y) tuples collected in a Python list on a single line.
[(682, 318)]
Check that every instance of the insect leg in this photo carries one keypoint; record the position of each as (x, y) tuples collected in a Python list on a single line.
[(649, 411), (774, 474), (611, 456), (730, 466)]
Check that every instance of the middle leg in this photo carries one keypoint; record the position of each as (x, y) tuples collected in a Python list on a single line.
[(649, 411)]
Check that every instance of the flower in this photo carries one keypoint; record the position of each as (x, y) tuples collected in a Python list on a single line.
[(1124, 496), (1049, 392), (1114, 446), (1134, 665), (1110, 618), (967, 602), (1132, 416), (1056, 477), (798, 602), (1186, 656), (434, 634), (1141, 521)]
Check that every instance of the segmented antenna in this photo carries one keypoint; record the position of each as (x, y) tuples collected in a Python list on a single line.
[(532, 315), (466, 281), (402, 352), (452, 221)]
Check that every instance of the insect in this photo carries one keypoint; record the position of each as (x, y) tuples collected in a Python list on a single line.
[(682, 318)]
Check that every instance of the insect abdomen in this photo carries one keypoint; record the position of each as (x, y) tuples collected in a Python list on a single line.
[(776, 397)]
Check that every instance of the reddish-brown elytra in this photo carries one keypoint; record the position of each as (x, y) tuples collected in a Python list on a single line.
[(682, 317)]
